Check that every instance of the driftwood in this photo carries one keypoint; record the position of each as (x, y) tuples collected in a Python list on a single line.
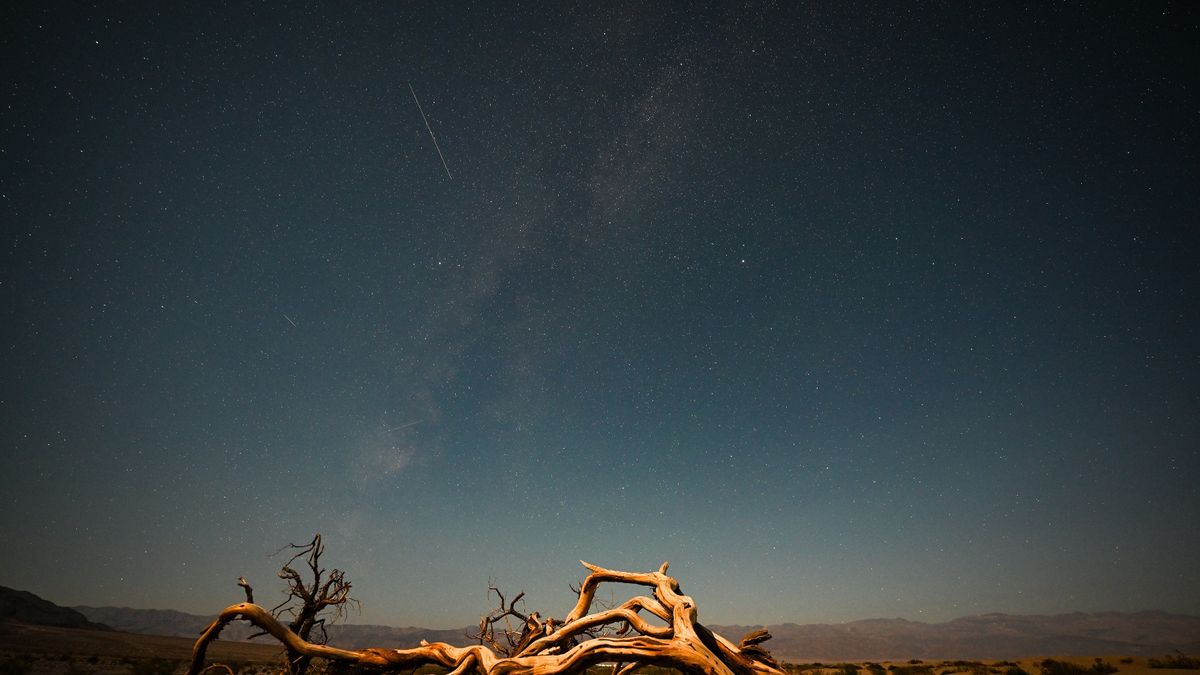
[(552, 647)]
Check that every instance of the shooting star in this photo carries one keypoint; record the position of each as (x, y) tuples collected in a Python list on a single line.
[(402, 426), (290, 320), (426, 120)]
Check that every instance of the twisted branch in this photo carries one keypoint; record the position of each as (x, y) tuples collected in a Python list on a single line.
[(550, 647)]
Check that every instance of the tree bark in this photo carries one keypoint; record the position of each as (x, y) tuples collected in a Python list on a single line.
[(683, 643)]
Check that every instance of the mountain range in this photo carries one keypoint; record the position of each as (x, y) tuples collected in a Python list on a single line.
[(25, 607), (989, 636)]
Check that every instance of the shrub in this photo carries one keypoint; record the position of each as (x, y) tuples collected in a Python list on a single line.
[(1176, 660), (155, 666), (16, 665), (1100, 667)]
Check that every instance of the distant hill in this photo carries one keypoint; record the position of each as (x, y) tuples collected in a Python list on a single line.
[(160, 622), (25, 607), (990, 636), (182, 624), (357, 636), (111, 645)]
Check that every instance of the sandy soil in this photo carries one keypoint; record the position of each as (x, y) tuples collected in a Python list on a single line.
[(42, 650)]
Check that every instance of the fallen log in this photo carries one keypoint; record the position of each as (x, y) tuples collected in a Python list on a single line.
[(551, 647)]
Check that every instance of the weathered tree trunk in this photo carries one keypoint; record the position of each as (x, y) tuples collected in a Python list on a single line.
[(683, 643), (309, 597)]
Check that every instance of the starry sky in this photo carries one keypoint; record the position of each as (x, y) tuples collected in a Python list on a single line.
[(848, 310)]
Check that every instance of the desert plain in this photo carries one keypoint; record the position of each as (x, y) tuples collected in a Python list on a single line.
[(47, 650)]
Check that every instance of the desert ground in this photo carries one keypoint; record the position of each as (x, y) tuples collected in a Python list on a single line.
[(42, 650), (1033, 665)]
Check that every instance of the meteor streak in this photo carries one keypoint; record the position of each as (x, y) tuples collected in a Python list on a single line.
[(426, 120)]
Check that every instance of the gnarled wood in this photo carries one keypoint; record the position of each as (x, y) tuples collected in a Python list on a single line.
[(551, 647)]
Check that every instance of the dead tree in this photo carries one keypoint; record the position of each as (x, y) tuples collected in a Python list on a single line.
[(511, 640), (551, 647), (308, 596)]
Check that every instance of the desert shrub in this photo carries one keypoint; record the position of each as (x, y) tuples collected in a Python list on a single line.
[(1016, 670), (912, 670), (155, 666), (1176, 660), (1126, 660), (1052, 667), (848, 669), (876, 669), (1100, 667), (17, 664)]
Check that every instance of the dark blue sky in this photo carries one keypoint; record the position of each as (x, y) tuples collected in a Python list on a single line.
[(847, 310)]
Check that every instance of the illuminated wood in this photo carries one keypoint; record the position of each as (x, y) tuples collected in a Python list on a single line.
[(553, 647)]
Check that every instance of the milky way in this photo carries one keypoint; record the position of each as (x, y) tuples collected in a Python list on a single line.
[(847, 311)]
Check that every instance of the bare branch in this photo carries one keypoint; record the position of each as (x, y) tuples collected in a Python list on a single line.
[(514, 640), (309, 594), (546, 647)]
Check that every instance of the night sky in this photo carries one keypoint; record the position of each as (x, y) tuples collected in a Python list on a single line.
[(848, 311)]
